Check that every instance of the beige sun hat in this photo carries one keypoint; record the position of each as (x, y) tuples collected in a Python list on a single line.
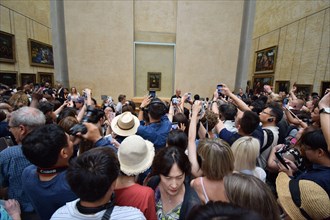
[(135, 155), (125, 124), (314, 199)]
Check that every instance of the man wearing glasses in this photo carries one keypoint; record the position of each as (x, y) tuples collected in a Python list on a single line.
[(12, 160)]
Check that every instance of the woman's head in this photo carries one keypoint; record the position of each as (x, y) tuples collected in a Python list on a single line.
[(178, 139), (73, 90), (217, 158), (166, 158), (172, 165), (249, 192), (246, 150)]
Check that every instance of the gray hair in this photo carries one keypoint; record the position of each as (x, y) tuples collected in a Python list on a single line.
[(27, 116)]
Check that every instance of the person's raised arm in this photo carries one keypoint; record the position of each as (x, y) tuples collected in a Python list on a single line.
[(239, 102), (292, 92), (293, 119), (192, 152), (59, 109), (214, 103), (143, 105), (170, 112), (325, 117)]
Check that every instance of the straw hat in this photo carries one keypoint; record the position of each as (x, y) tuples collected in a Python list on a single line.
[(314, 199), (125, 124), (135, 155)]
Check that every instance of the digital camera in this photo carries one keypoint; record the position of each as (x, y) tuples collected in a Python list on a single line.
[(81, 128)]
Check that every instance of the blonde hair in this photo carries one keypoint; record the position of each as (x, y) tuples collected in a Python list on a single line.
[(217, 158), (249, 192), (246, 150)]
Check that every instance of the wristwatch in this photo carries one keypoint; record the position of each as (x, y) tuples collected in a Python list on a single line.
[(325, 110)]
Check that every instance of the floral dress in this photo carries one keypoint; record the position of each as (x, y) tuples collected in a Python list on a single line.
[(174, 214)]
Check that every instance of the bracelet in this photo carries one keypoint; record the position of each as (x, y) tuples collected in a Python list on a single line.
[(214, 102), (141, 108)]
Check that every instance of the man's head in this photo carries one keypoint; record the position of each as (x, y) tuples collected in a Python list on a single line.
[(247, 122), (48, 109), (178, 92), (92, 175), (228, 111), (24, 120), (80, 102), (122, 98), (156, 109), (47, 146), (296, 104), (272, 114)]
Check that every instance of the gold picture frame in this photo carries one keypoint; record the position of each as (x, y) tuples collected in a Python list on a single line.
[(40, 54), (265, 60), (154, 81)]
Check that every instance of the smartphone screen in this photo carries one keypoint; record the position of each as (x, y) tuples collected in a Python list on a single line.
[(219, 88), (175, 125), (152, 94), (280, 158)]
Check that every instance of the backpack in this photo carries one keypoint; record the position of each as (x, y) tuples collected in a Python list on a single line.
[(270, 139)]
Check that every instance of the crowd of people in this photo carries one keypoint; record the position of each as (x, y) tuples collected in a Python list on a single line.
[(233, 156)]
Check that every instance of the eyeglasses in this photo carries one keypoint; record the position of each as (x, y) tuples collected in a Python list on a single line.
[(267, 113), (9, 127)]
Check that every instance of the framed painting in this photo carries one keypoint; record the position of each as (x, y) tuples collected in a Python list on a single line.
[(282, 86), (7, 47), (8, 78), (27, 78), (40, 54), (154, 81), (303, 89), (46, 77), (266, 60), (260, 80)]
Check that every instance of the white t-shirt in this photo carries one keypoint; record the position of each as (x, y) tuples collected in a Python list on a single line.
[(70, 211)]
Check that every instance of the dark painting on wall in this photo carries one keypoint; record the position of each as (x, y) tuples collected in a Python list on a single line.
[(282, 86), (46, 77), (7, 47), (8, 78), (41, 54), (154, 81), (27, 78), (260, 80), (266, 60)]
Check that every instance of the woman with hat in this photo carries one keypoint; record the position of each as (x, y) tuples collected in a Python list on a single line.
[(170, 178), (135, 156)]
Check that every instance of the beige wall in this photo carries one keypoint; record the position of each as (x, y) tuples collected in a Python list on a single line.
[(301, 29), (25, 19), (100, 42)]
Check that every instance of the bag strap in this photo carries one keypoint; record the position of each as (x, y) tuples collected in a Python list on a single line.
[(295, 195), (270, 139), (107, 213)]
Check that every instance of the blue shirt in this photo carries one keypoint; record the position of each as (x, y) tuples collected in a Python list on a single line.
[(156, 132), (12, 164), (231, 137), (318, 174), (105, 142), (46, 196)]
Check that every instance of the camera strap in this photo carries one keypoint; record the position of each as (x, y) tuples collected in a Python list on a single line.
[(50, 171)]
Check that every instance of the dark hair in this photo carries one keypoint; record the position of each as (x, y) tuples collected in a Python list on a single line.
[(276, 110), (43, 145), (222, 210), (228, 111), (177, 138), (157, 109), (258, 106), (181, 118), (92, 173), (68, 111), (96, 115), (249, 122), (196, 97), (121, 97), (165, 159), (313, 137)]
